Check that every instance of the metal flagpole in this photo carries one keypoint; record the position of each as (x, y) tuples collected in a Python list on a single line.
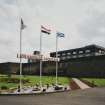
[(40, 59), (56, 60), (20, 59)]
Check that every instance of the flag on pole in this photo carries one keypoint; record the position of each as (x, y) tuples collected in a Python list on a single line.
[(45, 30), (22, 24), (59, 34)]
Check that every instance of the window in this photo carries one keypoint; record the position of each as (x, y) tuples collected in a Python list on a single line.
[(100, 51), (68, 53), (58, 55), (87, 51), (103, 52), (68, 57), (80, 52), (80, 55), (63, 58), (63, 54), (74, 56), (74, 52), (87, 55)]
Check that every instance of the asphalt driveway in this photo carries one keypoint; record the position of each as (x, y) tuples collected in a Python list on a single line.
[(91, 96)]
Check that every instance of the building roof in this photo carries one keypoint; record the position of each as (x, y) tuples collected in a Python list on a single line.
[(84, 48), (94, 45)]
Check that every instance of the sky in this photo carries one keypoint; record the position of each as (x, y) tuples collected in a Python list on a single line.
[(82, 22)]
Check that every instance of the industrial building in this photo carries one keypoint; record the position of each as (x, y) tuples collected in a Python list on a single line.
[(88, 61), (87, 51)]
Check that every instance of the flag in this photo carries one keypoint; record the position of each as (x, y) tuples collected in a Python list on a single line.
[(59, 34), (22, 24), (45, 30)]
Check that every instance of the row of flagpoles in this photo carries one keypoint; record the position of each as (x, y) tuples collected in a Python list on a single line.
[(46, 31)]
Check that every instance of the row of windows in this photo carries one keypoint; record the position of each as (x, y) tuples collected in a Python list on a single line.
[(101, 52), (80, 52), (74, 52), (68, 57)]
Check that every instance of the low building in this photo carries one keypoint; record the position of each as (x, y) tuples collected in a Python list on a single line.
[(88, 61), (87, 51)]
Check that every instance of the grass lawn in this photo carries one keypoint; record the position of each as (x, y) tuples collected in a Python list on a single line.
[(9, 85), (33, 80), (47, 80), (97, 81)]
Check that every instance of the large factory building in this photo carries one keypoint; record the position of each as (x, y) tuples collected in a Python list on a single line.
[(88, 61)]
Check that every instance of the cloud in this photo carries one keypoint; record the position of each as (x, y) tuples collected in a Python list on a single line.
[(82, 21), (94, 26)]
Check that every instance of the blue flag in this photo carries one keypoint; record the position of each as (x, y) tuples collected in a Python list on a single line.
[(59, 34)]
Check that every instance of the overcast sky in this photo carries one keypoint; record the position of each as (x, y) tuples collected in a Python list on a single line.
[(82, 22)]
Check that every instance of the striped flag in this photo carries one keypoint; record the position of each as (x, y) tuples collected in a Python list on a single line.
[(22, 24), (59, 34), (45, 30)]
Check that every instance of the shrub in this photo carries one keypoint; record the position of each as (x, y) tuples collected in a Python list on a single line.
[(4, 87), (13, 80), (25, 81)]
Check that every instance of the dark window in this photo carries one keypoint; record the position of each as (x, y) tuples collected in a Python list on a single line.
[(63, 54), (68, 57), (63, 58), (87, 55), (74, 56), (58, 55)]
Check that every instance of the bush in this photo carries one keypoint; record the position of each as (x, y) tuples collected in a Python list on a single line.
[(4, 79), (4, 87), (25, 81), (13, 80)]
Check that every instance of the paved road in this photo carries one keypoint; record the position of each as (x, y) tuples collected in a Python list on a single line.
[(80, 83), (92, 96)]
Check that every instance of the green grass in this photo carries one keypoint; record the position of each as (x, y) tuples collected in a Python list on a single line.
[(46, 80), (9, 85), (33, 80), (96, 81)]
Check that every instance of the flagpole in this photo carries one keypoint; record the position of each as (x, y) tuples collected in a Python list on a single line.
[(20, 59), (56, 60), (40, 59)]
